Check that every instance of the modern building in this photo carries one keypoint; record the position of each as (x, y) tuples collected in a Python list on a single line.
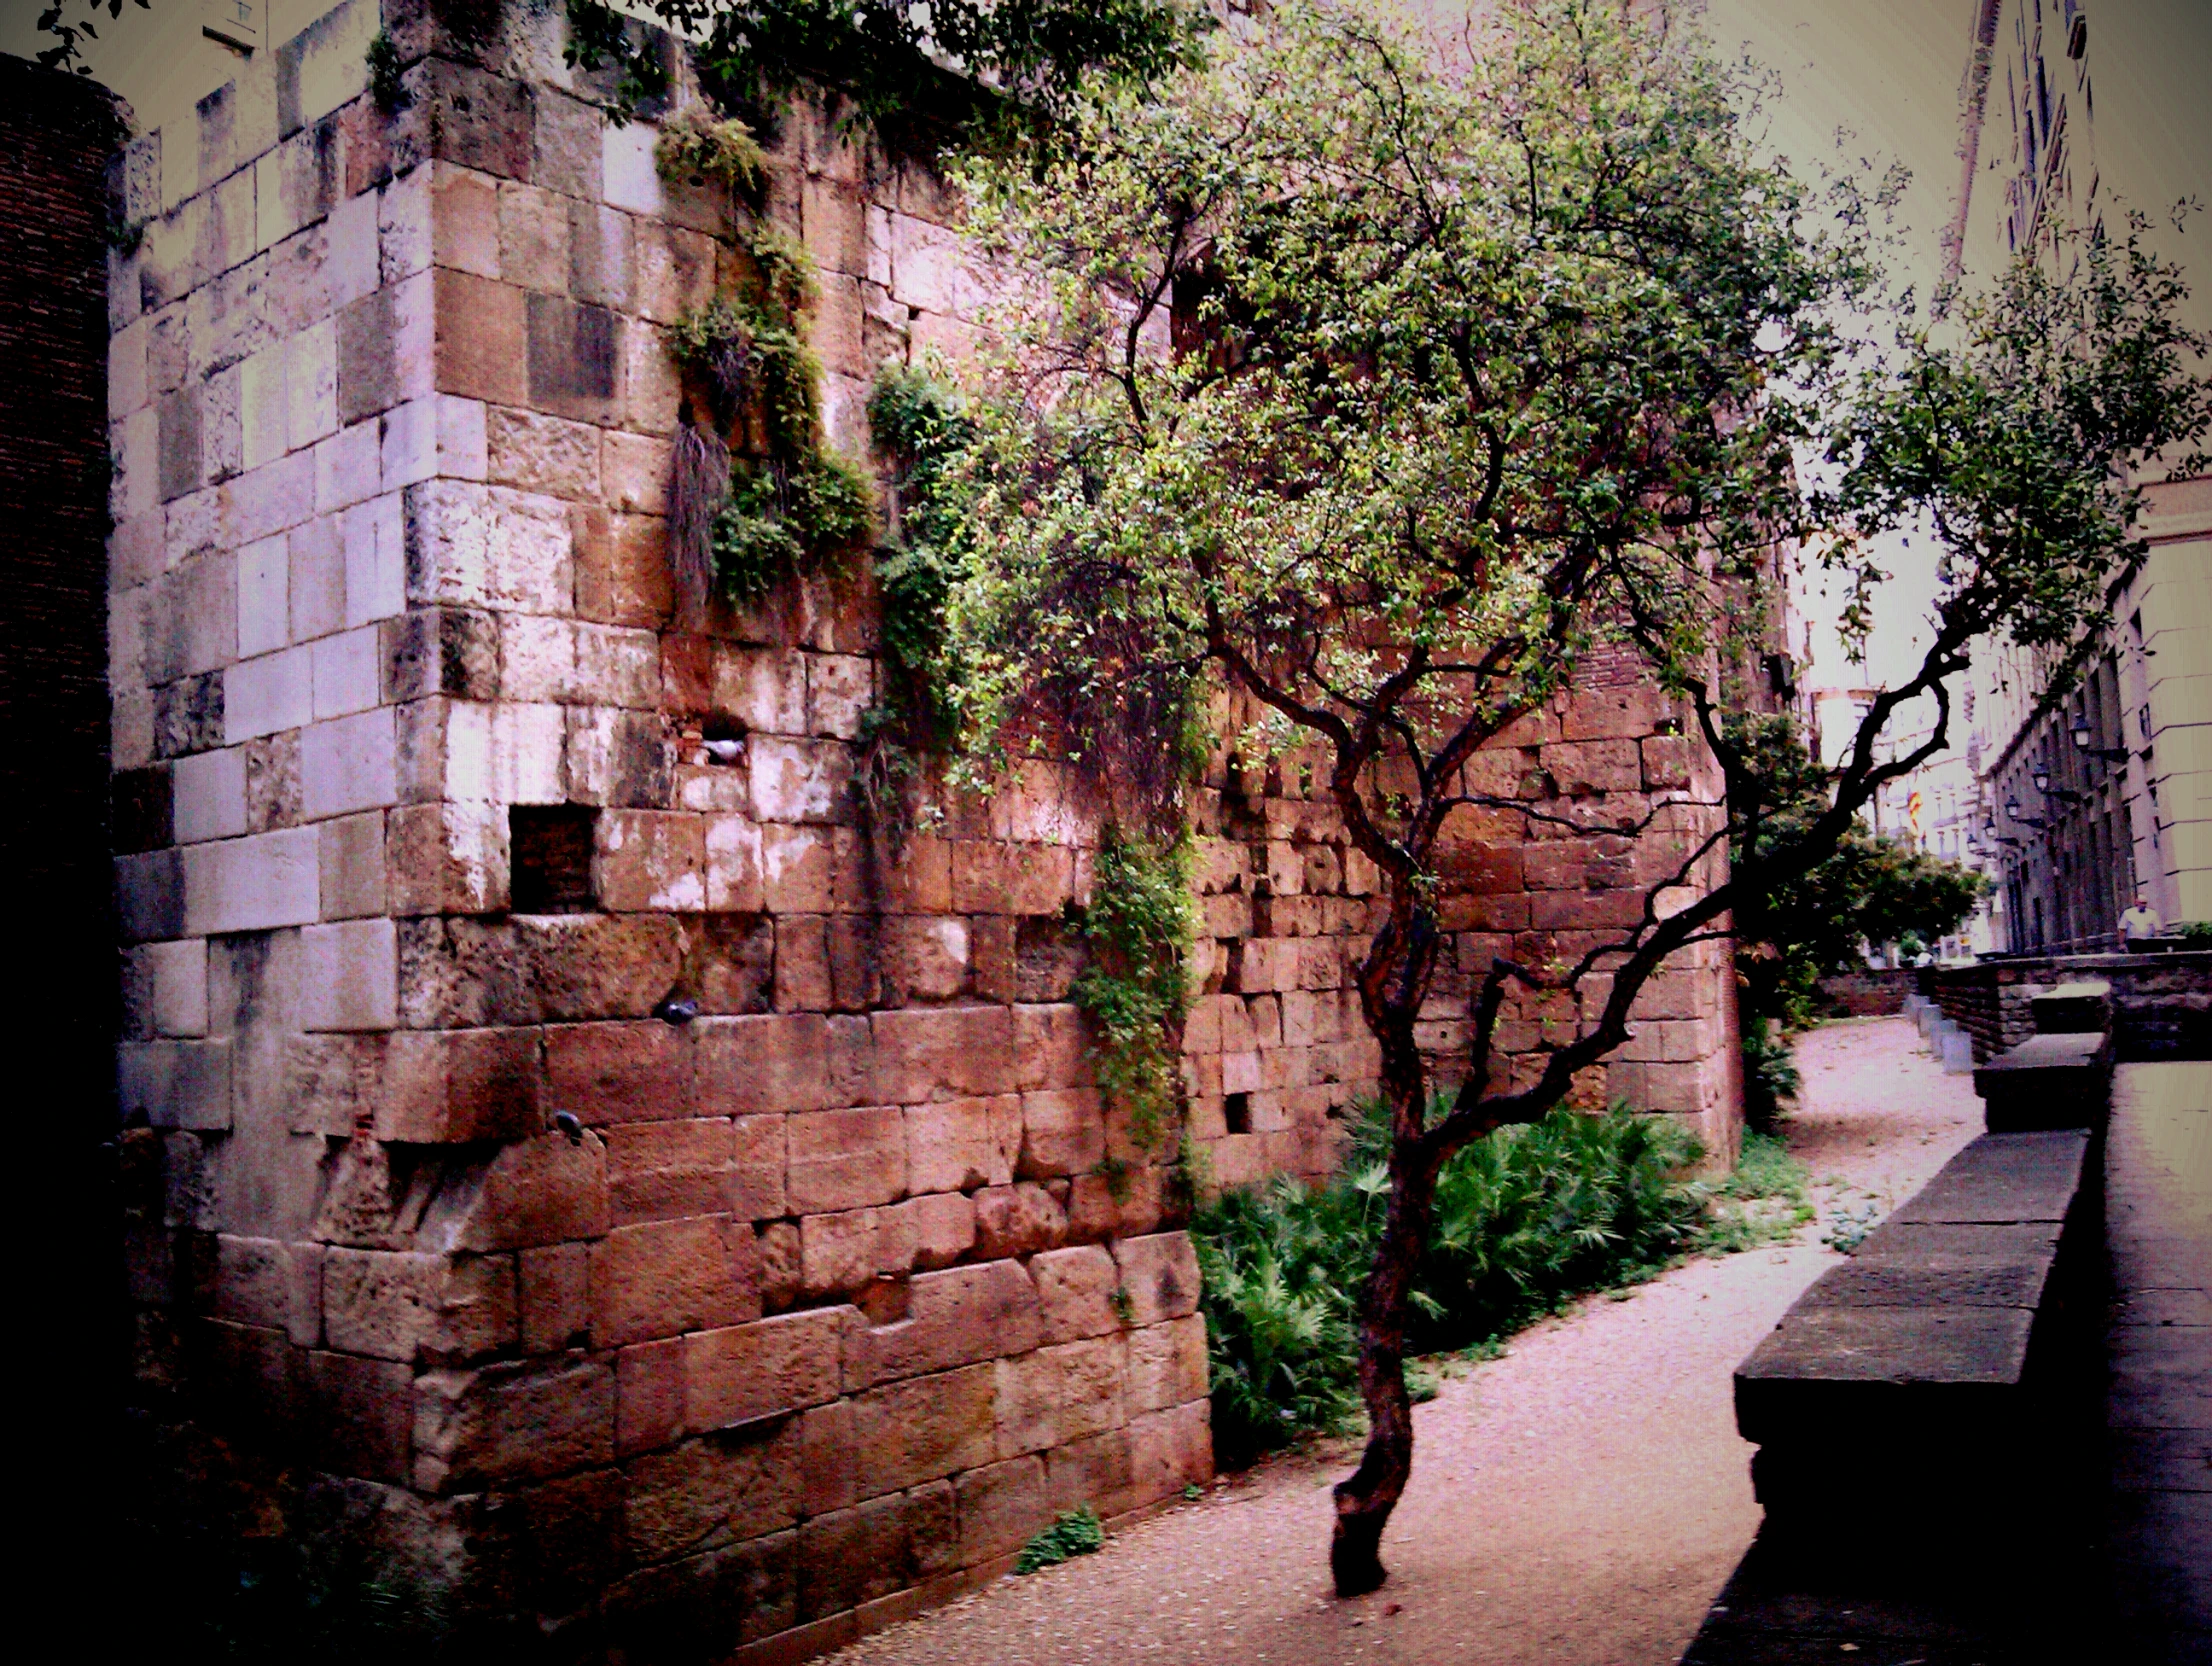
[(2088, 800)]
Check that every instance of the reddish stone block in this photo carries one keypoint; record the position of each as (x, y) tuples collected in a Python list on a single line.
[(1096, 1471), (361, 1415), (942, 1226), (959, 1144), (1160, 1272), (672, 1276), (505, 1423), (1002, 1507), (931, 1053), (1052, 1048), (756, 1176), (1170, 1450), (771, 1366), (1075, 1290), (399, 1306), (1017, 1220), (481, 338), (1167, 1364), (748, 1065), (711, 1491), (556, 1310), (952, 1318), (829, 1463), (781, 1264), (460, 1085), (844, 1252), (1062, 1133), (663, 1170), (991, 877), (854, 1555), (1060, 1394), (649, 1396), (803, 982), (622, 570), (536, 1191), (845, 1159), (923, 1429), (591, 966)]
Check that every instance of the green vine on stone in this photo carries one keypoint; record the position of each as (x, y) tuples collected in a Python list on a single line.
[(922, 426), (1136, 992), (792, 503)]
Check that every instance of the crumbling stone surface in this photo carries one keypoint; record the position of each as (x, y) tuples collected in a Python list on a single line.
[(595, 1145)]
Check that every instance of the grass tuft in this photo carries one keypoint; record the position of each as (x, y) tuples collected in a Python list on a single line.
[(1073, 1533)]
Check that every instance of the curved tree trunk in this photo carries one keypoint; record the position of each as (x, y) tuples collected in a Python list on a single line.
[(1365, 1498)]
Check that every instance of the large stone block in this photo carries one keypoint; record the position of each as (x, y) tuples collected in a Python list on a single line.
[(666, 1170), (923, 1429), (960, 1144), (459, 1085), (1002, 1507), (534, 1192), (1061, 1394), (1167, 1364), (1075, 1288), (668, 1277), (556, 1303), (845, 1159), (597, 966), (650, 859), (1160, 1272), (351, 976), (1018, 1220), (504, 1423), (712, 1492), (176, 1084), (1097, 1470), (1170, 1450), (751, 1065), (744, 1372), (943, 1053), (955, 1317), (362, 1415), (1063, 1132), (399, 1306)]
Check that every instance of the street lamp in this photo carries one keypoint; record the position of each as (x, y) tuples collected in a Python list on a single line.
[(2041, 775), (2079, 730), (2012, 812)]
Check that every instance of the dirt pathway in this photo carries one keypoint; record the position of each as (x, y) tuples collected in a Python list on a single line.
[(1578, 1502)]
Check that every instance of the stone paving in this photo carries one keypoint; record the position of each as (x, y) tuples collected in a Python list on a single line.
[(2158, 1208)]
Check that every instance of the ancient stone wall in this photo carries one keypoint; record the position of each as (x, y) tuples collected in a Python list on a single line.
[(661, 1215)]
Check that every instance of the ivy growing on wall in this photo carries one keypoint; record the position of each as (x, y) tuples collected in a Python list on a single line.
[(759, 496), (1136, 992)]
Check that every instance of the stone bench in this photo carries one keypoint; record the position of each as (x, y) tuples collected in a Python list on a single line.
[(1925, 1367), (2060, 1077)]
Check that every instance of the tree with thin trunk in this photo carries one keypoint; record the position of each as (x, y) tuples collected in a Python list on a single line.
[(1369, 384)]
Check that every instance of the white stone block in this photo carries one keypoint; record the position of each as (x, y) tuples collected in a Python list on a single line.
[(127, 386), (630, 180), (252, 884), (348, 763), (376, 560), (798, 780), (263, 405), (316, 553), (733, 864), (265, 695), (180, 159), (840, 688), (349, 467), (208, 796), (879, 245), (311, 384), (346, 672), (764, 689), (132, 444), (427, 438), (179, 976), (349, 254), (350, 976), (272, 498), (537, 657), (525, 754), (415, 336), (333, 54), (617, 667), (264, 596), (403, 220), (489, 546)]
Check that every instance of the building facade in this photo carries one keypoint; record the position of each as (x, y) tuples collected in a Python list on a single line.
[(2108, 794)]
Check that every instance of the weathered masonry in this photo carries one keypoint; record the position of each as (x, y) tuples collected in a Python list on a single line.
[(690, 1334)]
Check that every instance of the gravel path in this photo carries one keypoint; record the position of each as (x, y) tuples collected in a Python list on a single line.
[(1580, 1500)]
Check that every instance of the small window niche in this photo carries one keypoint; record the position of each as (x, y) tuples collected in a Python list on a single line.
[(549, 849)]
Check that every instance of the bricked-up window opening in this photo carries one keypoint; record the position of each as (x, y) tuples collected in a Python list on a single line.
[(1236, 1112), (550, 847)]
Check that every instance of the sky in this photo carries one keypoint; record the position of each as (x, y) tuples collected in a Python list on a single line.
[(1885, 72)]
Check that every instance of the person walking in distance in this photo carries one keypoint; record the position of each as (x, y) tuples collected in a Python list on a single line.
[(2140, 923)]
